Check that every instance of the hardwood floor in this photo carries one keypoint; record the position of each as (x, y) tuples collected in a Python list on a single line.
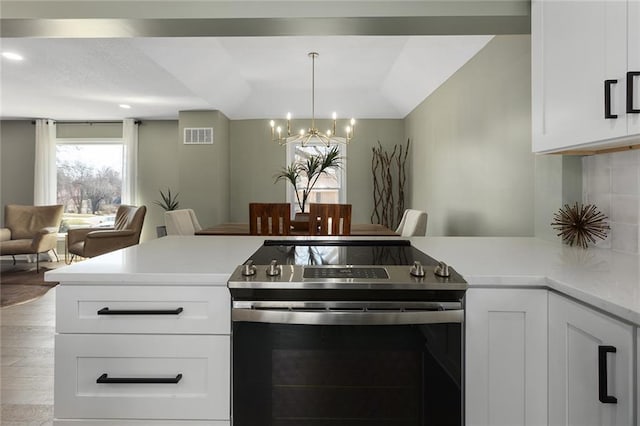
[(26, 360)]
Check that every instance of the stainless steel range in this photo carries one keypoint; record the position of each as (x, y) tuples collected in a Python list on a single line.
[(346, 332)]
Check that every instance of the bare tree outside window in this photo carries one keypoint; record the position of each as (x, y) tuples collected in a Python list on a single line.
[(89, 183)]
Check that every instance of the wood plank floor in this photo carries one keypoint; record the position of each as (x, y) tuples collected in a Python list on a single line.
[(26, 361)]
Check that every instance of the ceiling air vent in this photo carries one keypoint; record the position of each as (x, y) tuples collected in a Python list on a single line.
[(198, 135)]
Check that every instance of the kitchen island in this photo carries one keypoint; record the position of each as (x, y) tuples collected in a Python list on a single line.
[(518, 287)]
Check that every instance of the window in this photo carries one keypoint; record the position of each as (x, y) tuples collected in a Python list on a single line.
[(89, 181), (331, 187)]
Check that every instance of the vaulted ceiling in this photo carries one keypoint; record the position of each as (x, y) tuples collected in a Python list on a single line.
[(247, 58), (244, 77)]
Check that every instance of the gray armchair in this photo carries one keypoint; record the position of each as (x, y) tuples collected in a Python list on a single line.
[(91, 242), (30, 230)]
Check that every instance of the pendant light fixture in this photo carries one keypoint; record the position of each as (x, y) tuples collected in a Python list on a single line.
[(312, 134)]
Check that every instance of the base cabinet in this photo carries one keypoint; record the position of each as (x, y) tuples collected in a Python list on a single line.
[(142, 356), (506, 357), (590, 360), (118, 377)]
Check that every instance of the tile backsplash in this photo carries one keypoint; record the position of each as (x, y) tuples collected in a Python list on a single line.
[(612, 183)]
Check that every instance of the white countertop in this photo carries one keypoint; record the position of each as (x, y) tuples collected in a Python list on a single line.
[(602, 278)]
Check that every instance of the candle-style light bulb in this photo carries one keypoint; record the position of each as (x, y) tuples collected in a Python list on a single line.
[(329, 133), (353, 127), (272, 123), (334, 115), (334, 122), (288, 116), (301, 132)]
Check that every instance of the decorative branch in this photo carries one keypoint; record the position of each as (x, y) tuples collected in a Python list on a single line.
[(580, 224), (385, 166)]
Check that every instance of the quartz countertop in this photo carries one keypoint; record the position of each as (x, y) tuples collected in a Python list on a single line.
[(605, 279)]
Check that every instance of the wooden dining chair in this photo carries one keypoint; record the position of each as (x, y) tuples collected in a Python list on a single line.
[(269, 218), (329, 219)]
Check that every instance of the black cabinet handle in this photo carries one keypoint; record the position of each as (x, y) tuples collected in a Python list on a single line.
[(145, 380), (107, 311), (607, 98), (603, 393), (630, 90)]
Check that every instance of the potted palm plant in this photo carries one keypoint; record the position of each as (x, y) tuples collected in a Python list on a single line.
[(304, 175), (168, 202)]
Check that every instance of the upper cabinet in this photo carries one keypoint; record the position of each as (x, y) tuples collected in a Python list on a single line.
[(585, 74)]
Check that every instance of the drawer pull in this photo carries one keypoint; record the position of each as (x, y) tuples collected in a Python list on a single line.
[(107, 311), (105, 379), (630, 90), (607, 99), (603, 393)]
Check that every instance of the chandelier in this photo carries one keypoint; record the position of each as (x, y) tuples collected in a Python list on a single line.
[(312, 135)]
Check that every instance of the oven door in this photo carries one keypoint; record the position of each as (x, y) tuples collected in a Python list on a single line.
[(342, 364)]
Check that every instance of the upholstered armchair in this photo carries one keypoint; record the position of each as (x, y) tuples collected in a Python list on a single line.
[(90, 242), (30, 230), (181, 222), (413, 223)]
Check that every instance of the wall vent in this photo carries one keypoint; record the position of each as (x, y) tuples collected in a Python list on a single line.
[(198, 135)]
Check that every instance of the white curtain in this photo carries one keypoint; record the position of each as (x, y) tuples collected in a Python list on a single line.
[(45, 180), (130, 169)]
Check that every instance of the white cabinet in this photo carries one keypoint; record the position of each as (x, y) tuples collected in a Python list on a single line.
[(147, 355), (582, 52), (633, 59), (169, 309), (506, 357), (590, 358), (142, 377)]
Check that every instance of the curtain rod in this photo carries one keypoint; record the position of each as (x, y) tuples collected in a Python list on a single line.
[(91, 123)]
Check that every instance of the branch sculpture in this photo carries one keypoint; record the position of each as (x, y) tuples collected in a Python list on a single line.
[(386, 189), (580, 224)]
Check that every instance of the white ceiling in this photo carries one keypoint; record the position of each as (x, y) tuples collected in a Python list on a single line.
[(244, 77)]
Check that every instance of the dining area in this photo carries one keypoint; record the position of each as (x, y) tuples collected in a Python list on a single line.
[(276, 219)]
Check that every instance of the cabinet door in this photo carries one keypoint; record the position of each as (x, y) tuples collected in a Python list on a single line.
[(506, 357), (633, 120), (576, 333), (117, 376), (576, 46)]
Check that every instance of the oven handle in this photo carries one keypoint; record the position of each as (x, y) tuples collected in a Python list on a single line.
[(273, 316)]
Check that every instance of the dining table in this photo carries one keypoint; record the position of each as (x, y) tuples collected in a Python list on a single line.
[(357, 229)]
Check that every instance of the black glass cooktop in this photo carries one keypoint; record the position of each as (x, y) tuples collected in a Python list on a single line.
[(334, 252)]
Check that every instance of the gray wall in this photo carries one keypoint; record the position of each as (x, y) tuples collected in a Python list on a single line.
[(255, 160), (473, 170), (157, 169), (204, 169), (17, 154), (558, 182)]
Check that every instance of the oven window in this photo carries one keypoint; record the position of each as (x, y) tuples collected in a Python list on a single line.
[(294, 375)]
